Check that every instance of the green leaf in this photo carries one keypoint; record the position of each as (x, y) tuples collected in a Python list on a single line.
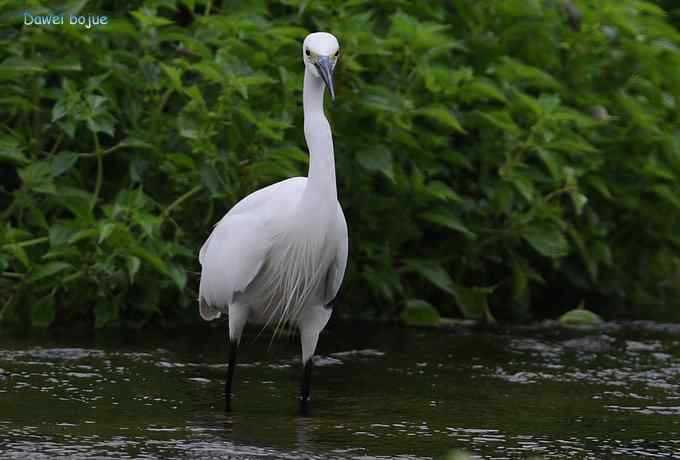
[(571, 145), (587, 256), (380, 100), (14, 67), (148, 222), (19, 253), (43, 311), (523, 184), (178, 275), (133, 264), (148, 19), (59, 235), (419, 313), (105, 313), (579, 201), (514, 71), (101, 123), (211, 179), (501, 120), (580, 317), (527, 104), (175, 75), (441, 191), (457, 455), (11, 152), (105, 230), (547, 240), (37, 177), (520, 280), (600, 185), (60, 110), (550, 160), (174, 273), (69, 64), (447, 219), (62, 162), (432, 272), (665, 193), (135, 143), (473, 302), (4, 262), (78, 202), (441, 115), (212, 72), (377, 158), (96, 102), (481, 89), (48, 270), (83, 235)]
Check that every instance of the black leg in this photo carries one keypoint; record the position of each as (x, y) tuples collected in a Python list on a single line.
[(306, 382), (233, 348)]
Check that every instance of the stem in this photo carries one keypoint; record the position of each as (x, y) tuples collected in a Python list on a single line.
[(100, 171), (209, 214), (27, 243), (179, 201), (207, 8), (108, 151), (156, 120), (56, 144), (12, 275), (35, 100), (72, 277), (559, 191), (8, 212)]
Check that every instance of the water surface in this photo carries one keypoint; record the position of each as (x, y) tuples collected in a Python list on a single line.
[(378, 392)]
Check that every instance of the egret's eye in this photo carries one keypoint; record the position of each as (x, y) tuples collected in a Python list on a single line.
[(336, 53), (307, 52)]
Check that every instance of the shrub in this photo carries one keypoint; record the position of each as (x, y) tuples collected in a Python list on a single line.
[(518, 154)]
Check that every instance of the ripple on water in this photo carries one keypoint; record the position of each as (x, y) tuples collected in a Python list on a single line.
[(51, 354), (387, 407), (633, 345), (368, 353), (593, 344), (322, 361)]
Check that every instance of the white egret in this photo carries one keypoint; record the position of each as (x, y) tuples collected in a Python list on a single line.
[(278, 256)]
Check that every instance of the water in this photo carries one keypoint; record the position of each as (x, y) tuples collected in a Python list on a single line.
[(378, 392)]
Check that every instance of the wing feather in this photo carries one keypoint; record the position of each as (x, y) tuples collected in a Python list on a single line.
[(237, 248), (231, 258), (336, 271)]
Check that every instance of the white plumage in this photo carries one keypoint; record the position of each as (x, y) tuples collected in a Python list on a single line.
[(267, 257), (278, 256)]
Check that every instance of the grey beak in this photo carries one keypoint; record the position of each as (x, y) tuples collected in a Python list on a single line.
[(325, 68)]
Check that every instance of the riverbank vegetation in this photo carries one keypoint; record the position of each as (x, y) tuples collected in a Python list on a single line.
[(509, 159)]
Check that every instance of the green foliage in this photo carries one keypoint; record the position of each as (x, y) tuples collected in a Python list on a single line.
[(457, 455), (419, 313), (580, 317), (489, 154)]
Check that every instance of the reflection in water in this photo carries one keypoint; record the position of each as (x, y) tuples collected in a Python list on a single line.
[(386, 393)]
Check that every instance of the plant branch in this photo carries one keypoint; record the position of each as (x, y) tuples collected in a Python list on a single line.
[(27, 243), (100, 171), (181, 199)]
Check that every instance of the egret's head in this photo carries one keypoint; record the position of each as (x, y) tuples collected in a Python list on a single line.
[(320, 52)]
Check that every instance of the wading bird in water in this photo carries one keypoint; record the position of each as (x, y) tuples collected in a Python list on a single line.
[(278, 257)]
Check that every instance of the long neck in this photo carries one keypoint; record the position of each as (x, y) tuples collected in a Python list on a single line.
[(321, 190)]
